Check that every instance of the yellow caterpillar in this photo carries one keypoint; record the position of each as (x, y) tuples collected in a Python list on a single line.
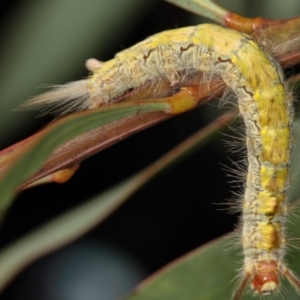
[(264, 103)]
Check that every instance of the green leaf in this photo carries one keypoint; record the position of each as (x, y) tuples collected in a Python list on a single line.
[(209, 273), (61, 230), (204, 8), (78, 221), (63, 131)]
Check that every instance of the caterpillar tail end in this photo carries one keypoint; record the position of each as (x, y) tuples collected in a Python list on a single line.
[(266, 280), (61, 99)]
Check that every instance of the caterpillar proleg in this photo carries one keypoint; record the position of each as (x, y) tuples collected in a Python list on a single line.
[(266, 106)]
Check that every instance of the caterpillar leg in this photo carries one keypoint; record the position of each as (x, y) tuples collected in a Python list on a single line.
[(182, 101), (189, 96), (93, 64)]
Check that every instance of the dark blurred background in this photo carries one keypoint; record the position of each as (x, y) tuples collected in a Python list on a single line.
[(48, 42)]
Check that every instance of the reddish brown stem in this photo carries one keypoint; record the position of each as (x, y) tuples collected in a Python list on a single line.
[(282, 36)]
